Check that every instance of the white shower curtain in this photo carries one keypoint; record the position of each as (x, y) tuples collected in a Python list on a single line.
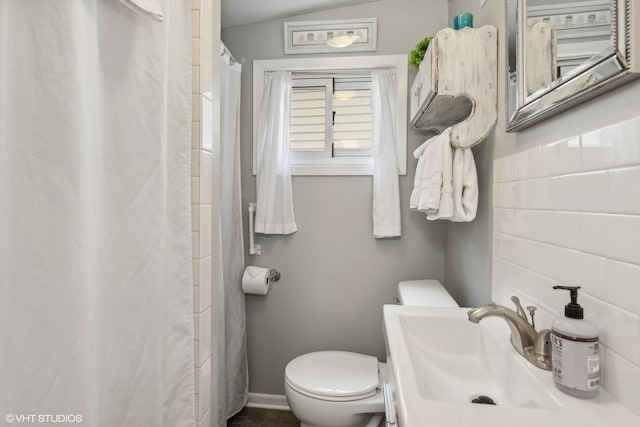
[(233, 387), (96, 287)]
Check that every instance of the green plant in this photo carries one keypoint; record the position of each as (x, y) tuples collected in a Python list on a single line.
[(417, 54)]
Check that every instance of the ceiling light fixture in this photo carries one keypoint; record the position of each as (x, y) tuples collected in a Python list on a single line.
[(342, 41)]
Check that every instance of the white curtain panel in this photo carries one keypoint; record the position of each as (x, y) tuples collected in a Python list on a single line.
[(96, 286), (274, 213), (234, 375), (386, 186)]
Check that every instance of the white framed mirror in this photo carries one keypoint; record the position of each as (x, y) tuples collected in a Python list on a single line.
[(564, 52)]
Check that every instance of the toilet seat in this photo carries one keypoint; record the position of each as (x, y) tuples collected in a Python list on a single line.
[(333, 375)]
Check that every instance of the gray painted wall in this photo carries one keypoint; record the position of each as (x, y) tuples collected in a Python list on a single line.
[(335, 275)]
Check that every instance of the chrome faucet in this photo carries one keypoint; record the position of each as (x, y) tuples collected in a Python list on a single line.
[(534, 346)]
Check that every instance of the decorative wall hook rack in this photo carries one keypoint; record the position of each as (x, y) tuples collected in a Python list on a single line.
[(457, 85)]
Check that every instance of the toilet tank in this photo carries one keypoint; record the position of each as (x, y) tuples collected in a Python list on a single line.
[(428, 293)]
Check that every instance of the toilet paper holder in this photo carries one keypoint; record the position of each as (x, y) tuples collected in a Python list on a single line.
[(274, 275)]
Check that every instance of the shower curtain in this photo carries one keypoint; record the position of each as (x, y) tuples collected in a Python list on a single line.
[(233, 368), (96, 287)]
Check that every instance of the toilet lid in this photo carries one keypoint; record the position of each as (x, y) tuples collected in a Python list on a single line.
[(336, 375)]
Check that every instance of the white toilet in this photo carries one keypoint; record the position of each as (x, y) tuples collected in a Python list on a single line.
[(343, 389)]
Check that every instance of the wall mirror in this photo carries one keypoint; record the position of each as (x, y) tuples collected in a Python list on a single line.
[(561, 53)]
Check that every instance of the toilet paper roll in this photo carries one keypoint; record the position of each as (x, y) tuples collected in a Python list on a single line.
[(255, 280)]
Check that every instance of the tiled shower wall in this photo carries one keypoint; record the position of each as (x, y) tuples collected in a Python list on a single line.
[(201, 197), (568, 212)]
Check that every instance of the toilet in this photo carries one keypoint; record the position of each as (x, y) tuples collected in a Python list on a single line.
[(343, 389)]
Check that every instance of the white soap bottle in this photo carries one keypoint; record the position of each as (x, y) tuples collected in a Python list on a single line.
[(575, 350)]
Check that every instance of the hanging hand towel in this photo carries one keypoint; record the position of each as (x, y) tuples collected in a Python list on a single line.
[(149, 7), (465, 186), (446, 204), (414, 200), (428, 183), (446, 182)]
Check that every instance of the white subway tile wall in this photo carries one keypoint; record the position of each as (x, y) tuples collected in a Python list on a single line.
[(568, 213), (201, 173)]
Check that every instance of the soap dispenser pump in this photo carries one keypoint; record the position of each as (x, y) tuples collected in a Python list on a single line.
[(575, 350)]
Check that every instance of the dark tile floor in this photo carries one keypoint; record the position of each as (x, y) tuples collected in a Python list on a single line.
[(258, 417)]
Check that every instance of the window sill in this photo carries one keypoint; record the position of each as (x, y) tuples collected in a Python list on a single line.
[(343, 166)]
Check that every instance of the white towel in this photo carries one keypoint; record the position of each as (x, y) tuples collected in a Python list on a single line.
[(446, 182), (428, 182), (459, 203), (150, 7), (417, 180), (446, 204), (465, 186)]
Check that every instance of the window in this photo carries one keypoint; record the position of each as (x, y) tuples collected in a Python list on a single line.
[(330, 117), (331, 123)]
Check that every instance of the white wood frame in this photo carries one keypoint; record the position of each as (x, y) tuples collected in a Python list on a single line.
[(322, 28), (340, 165)]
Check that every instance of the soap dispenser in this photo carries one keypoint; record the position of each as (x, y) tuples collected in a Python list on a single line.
[(575, 357)]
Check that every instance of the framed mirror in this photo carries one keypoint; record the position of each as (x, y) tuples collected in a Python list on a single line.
[(563, 52)]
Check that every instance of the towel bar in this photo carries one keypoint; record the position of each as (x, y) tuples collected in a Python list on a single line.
[(254, 249)]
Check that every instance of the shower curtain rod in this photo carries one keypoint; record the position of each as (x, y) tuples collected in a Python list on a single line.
[(225, 50)]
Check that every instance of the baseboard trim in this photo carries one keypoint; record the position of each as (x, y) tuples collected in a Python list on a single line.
[(268, 401)]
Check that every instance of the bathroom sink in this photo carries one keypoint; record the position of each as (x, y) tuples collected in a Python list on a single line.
[(439, 364), (458, 361)]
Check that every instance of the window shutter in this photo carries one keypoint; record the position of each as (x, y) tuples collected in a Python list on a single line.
[(352, 125), (308, 119)]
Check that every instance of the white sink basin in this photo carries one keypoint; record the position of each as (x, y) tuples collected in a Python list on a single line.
[(455, 360), (439, 362)]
